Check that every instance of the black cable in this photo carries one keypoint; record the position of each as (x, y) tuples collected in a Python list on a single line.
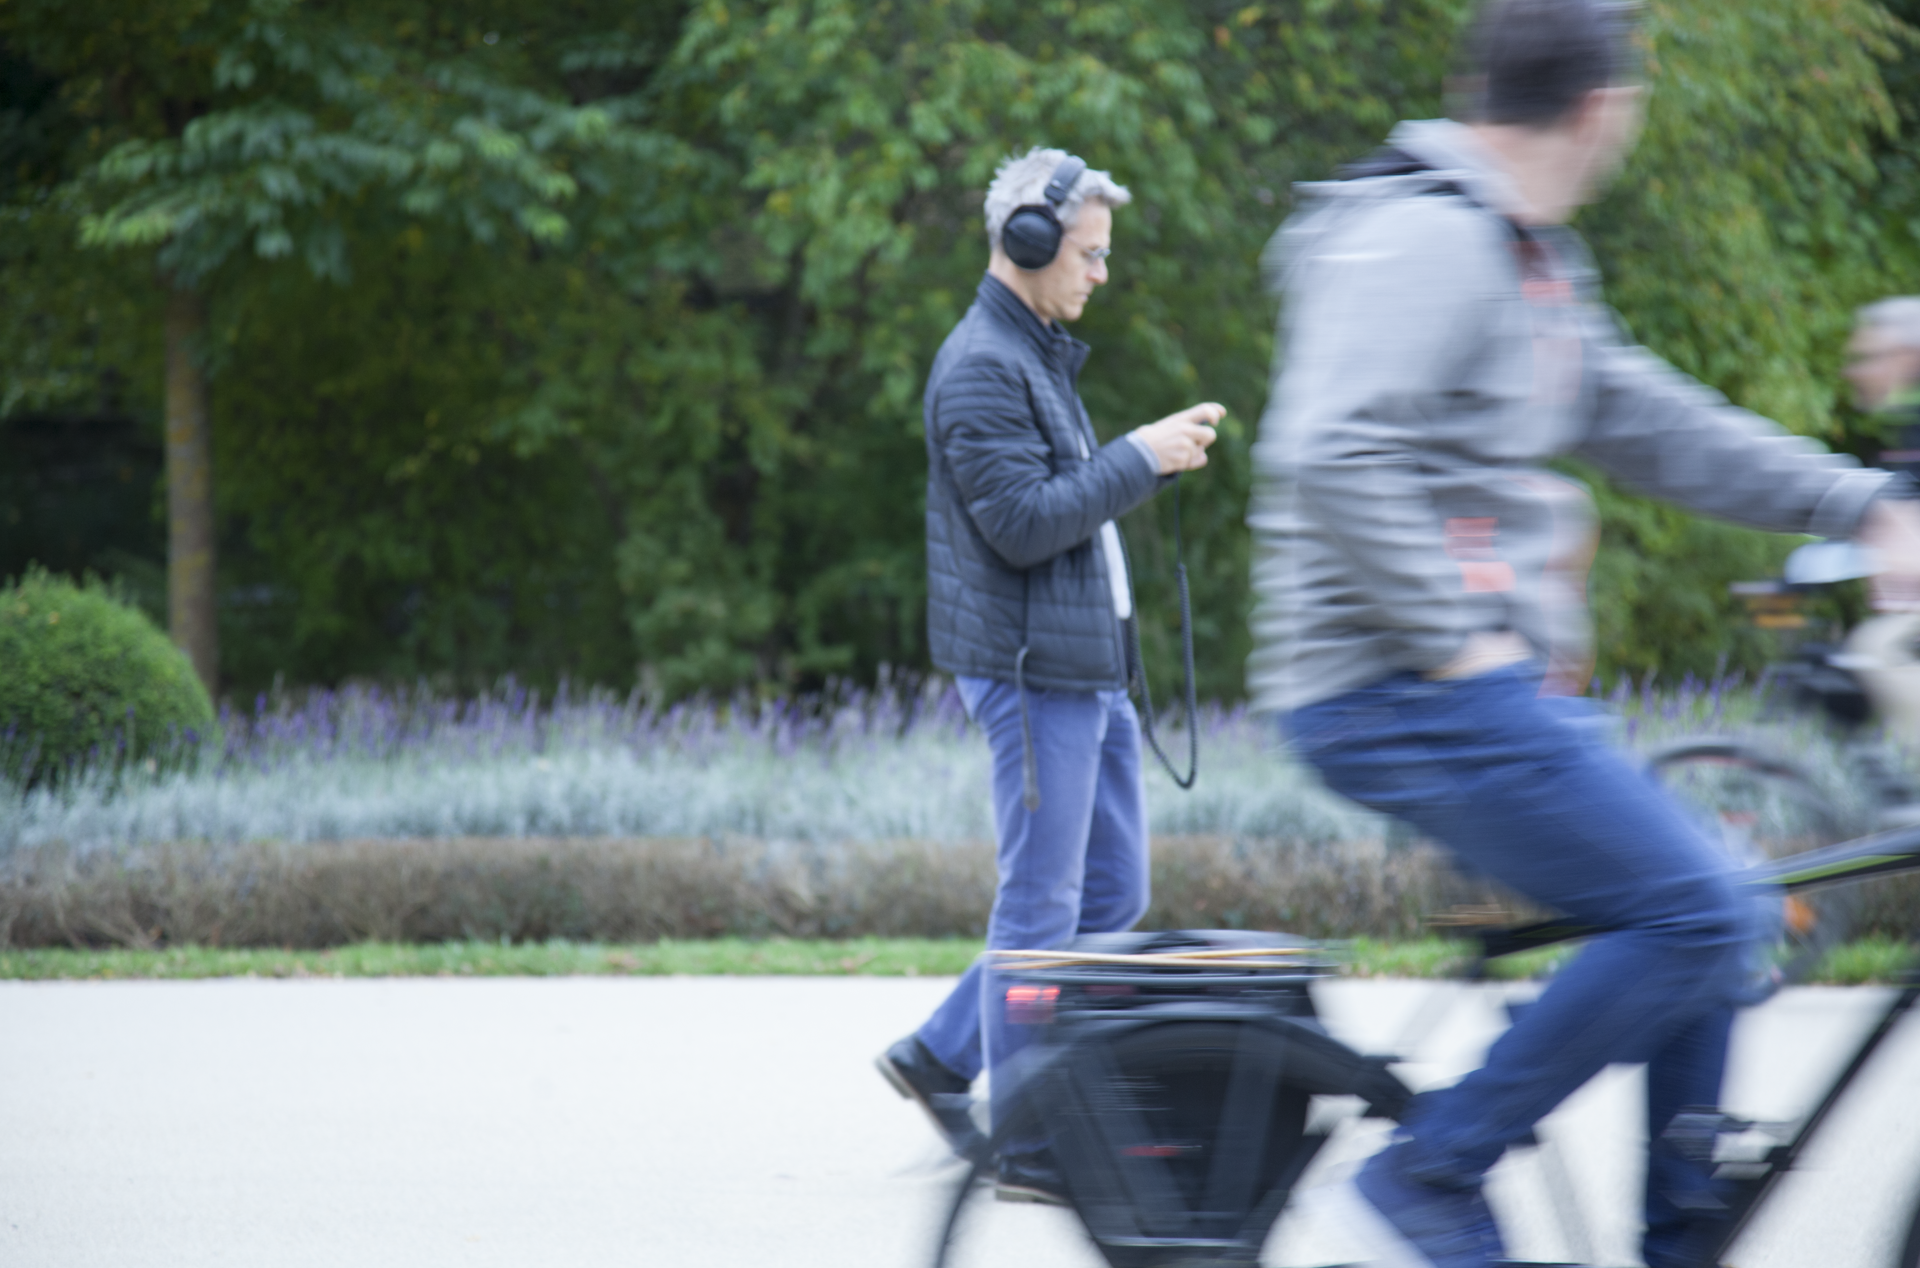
[(1029, 761), (1186, 656)]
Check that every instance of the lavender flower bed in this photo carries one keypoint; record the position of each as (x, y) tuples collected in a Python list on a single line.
[(855, 765), (339, 816)]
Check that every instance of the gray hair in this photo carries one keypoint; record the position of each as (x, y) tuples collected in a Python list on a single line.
[(1020, 182), (1899, 317)]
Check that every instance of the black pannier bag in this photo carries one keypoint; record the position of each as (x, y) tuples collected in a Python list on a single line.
[(1171, 1077)]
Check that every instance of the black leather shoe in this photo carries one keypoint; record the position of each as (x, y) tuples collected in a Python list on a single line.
[(918, 1075), (1030, 1178)]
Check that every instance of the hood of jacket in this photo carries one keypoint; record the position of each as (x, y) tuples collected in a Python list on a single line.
[(1450, 158)]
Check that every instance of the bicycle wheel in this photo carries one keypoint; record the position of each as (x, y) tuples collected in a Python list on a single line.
[(1760, 806), (1178, 1142), (980, 1232)]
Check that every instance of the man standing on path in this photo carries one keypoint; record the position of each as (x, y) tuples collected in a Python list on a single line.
[(1420, 580), (1028, 599)]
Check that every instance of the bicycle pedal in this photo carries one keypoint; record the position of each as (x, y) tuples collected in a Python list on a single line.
[(1709, 1136)]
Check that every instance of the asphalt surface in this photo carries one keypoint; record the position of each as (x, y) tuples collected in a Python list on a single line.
[(713, 1122)]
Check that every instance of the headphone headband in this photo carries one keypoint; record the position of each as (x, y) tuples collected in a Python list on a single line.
[(1064, 176)]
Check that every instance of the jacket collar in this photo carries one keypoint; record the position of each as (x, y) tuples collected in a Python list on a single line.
[(1047, 338), (1453, 151)]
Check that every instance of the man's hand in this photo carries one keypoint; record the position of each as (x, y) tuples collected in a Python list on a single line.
[(1482, 653), (1891, 530), (1180, 440)]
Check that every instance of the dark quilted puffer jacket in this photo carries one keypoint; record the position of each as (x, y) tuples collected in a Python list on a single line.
[(1013, 509)]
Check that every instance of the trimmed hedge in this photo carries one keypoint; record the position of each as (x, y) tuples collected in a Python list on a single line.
[(639, 889), (85, 678), (529, 889)]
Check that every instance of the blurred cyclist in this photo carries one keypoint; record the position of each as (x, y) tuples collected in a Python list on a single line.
[(1420, 576)]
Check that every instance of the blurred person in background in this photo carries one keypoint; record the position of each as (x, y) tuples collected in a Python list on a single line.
[(1420, 585), (1883, 365), (1028, 600)]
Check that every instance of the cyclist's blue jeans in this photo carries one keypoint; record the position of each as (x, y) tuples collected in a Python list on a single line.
[(1525, 789), (1078, 864)]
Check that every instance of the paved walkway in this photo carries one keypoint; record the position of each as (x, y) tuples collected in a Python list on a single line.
[(685, 1123)]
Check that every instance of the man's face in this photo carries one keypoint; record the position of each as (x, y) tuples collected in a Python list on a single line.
[(1060, 291), (1608, 126), (1878, 366)]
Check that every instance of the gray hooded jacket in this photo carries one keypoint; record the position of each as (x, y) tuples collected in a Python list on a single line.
[(1432, 357)]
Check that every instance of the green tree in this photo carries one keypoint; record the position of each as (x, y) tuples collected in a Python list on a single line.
[(595, 348), (255, 131), (1740, 237), (1742, 233), (859, 139)]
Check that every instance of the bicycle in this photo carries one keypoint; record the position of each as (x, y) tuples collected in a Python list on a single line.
[(1176, 1076), (1763, 804)]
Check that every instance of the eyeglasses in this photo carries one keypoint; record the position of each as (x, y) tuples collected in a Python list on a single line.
[(1096, 254)]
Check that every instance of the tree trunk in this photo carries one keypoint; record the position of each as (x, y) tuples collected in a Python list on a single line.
[(190, 601)]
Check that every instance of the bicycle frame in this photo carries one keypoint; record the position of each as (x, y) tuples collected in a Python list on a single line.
[(1883, 854), (1127, 1206), (1750, 1191)]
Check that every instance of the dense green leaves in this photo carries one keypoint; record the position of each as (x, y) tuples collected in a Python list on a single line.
[(589, 340), (276, 117), (1739, 239)]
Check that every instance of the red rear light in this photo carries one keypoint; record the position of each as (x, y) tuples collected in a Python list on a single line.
[(1031, 1005)]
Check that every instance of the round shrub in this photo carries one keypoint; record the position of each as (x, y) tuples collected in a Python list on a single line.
[(86, 679)]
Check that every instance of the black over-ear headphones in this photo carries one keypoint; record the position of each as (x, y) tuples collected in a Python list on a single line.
[(1031, 236)]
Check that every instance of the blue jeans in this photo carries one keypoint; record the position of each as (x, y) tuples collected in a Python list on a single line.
[(1078, 864), (1524, 789)]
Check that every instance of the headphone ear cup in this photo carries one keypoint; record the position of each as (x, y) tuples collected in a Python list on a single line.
[(1031, 237)]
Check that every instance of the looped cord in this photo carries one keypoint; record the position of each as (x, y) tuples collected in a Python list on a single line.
[(1139, 674), (1029, 763)]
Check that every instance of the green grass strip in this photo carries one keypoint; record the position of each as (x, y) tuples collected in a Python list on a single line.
[(1866, 961), (1443, 957), (1870, 960), (880, 957)]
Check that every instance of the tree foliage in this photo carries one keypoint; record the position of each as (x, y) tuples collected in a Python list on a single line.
[(589, 340)]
